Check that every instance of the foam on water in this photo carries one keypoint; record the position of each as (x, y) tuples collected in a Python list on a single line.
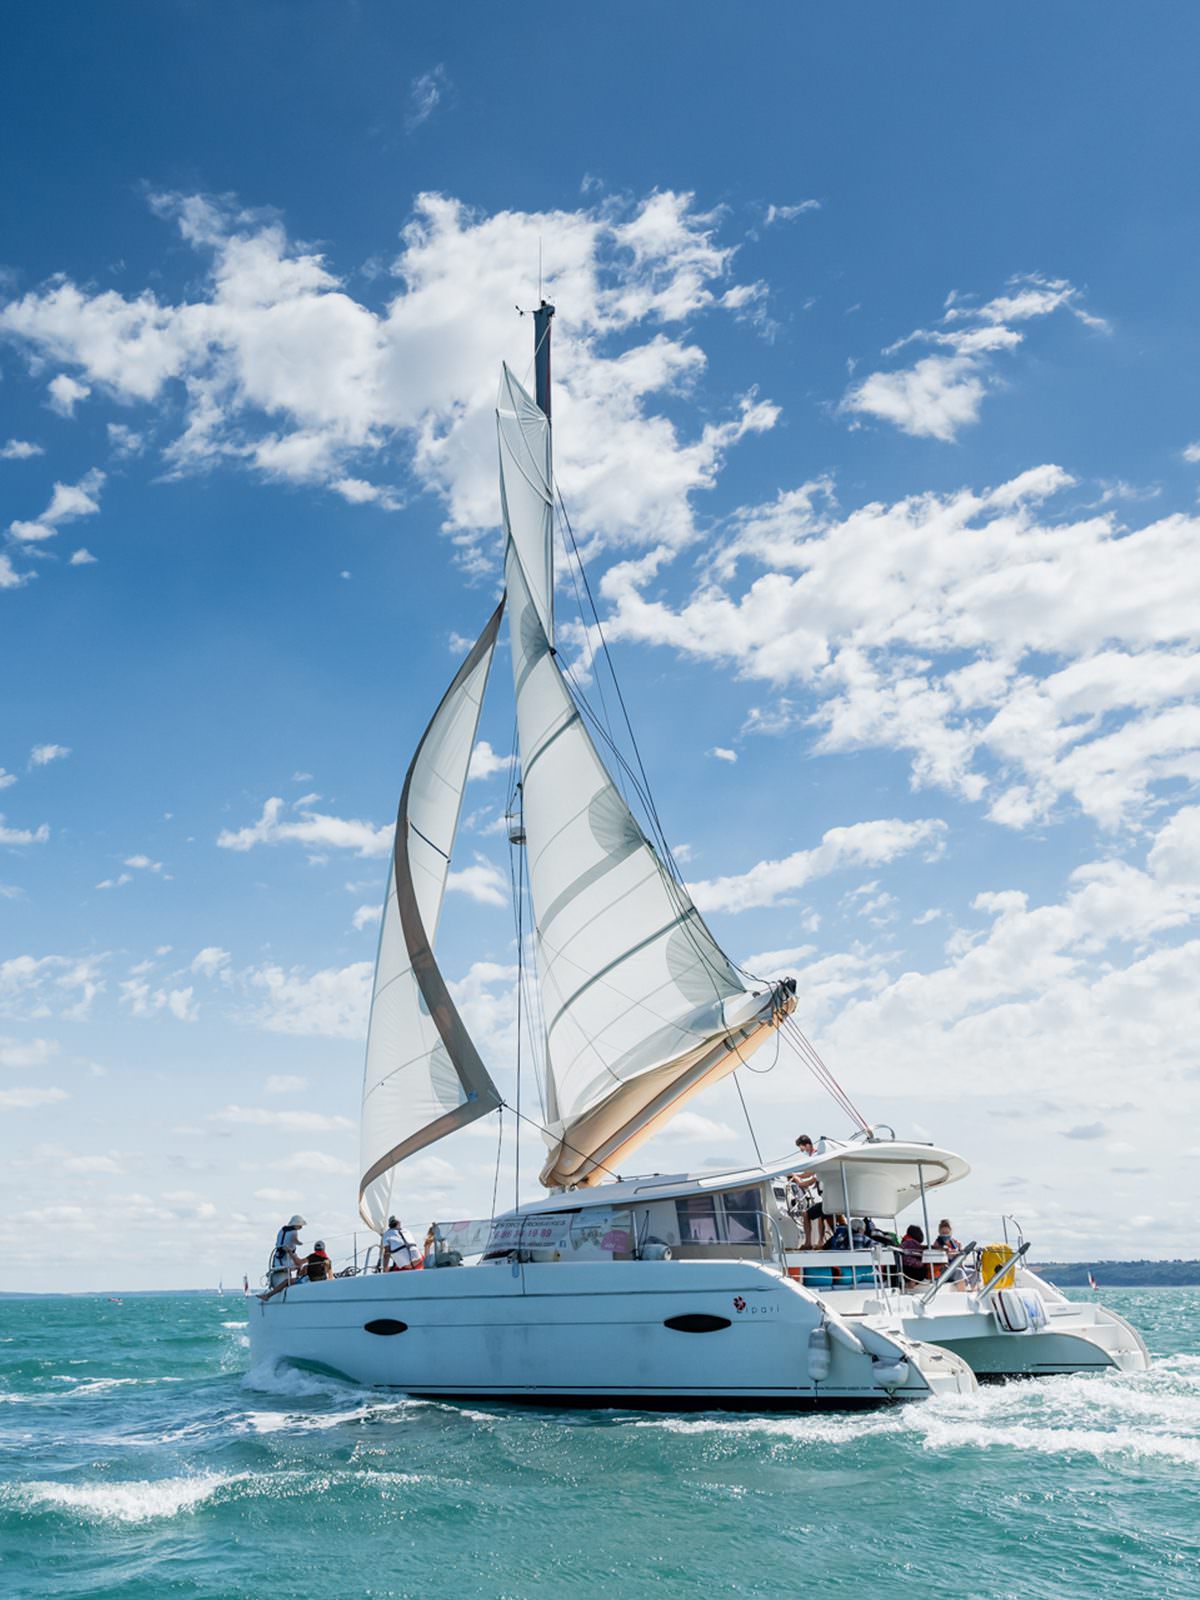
[(145, 1501)]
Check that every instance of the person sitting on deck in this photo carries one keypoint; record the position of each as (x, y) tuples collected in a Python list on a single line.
[(912, 1253), (285, 1258), (317, 1267), (945, 1238), (400, 1253), (856, 1237)]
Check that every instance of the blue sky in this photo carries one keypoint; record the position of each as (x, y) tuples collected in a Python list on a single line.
[(877, 420)]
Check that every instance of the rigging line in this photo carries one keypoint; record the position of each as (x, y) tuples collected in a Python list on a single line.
[(810, 1057), (566, 1143), (499, 1153), (749, 1124), (597, 678)]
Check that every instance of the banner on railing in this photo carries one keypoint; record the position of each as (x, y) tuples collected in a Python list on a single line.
[(598, 1233)]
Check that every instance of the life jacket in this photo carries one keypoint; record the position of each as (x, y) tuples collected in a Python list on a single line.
[(320, 1267), (281, 1256)]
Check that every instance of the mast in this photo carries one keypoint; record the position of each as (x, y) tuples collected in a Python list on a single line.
[(541, 356)]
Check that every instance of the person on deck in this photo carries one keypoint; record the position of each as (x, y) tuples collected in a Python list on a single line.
[(808, 1209), (285, 1258), (400, 1251), (317, 1267), (945, 1238), (912, 1253)]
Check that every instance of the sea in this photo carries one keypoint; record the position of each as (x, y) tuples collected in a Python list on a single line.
[(141, 1457)]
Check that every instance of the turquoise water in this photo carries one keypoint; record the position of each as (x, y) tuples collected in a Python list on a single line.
[(138, 1459)]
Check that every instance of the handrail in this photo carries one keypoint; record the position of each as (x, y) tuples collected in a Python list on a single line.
[(953, 1262), (1001, 1270)]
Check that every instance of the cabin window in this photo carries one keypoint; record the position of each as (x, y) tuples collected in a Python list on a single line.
[(697, 1216), (743, 1216)]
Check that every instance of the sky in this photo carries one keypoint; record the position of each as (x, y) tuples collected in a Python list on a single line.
[(877, 420)]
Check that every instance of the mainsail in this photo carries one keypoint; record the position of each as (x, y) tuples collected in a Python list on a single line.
[(641, 1006), (423, 1076)]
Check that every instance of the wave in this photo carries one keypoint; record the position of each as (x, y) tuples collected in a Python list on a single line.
[(145, 1500)]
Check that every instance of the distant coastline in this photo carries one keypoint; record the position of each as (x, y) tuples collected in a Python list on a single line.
[(1121, 1274)]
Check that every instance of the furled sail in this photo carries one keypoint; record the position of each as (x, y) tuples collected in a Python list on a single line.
[(423, 1076), (642, 1008), (526, 494)]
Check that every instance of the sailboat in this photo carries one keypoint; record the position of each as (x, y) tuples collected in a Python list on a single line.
[(609, 1290)]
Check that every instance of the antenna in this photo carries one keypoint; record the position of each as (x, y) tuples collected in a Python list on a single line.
[(539, 266)]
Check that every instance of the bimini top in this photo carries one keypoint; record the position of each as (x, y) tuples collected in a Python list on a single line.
[(882, 1178)]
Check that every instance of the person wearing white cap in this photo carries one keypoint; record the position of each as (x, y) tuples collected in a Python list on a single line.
[(285, 1258)]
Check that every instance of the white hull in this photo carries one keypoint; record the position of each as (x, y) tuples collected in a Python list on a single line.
[(1078, 1336), (597, 1334)]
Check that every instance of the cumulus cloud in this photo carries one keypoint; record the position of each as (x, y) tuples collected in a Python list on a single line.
[(19, 836), (789, 213), (315, 829), (20, 450), (43, 754), (143, 1001), (211, 960), (941, 393), (366, 917), (721, 753), (862, 844), (82, 557), (486, 762), (28, 1099), (1021, 659), (275, 366), (22, 1053), (68, 502), (332, 1003), (66, 393), (289, 1121), (483, 882)]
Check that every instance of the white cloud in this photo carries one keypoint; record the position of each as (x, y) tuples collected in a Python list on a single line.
[(7, 779), (940, 394), (43, 754), (17, 836), (789, 213), (211, 960), (20, 1053), (483, 882), (118, 882), (290, 1121), (28, 1099), (20, 450), (68, 502), (318, 1162), (10, 578), (1191, 453), (66, 393), (366, 917), (485, 762), (143, 1001), (861, 844), (723, 754), (82, 557), (278, 368), (124, 441), (311, 828), (285, 1083), (425, 94), (1018, 660), (143, 863), (332, 1003)]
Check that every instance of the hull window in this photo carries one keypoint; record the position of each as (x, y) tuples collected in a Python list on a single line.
[(697, 1322), (384, 1326)]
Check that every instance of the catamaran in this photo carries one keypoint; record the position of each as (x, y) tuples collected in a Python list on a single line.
[(654, 1291)]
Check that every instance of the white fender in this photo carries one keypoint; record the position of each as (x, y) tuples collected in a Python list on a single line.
[(818, 1353), (890, 1374)]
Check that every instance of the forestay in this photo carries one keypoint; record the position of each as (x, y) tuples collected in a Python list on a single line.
[(423, 1076), (641, 1006)]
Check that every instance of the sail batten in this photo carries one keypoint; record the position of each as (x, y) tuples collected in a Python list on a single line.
[(423, 1077)]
